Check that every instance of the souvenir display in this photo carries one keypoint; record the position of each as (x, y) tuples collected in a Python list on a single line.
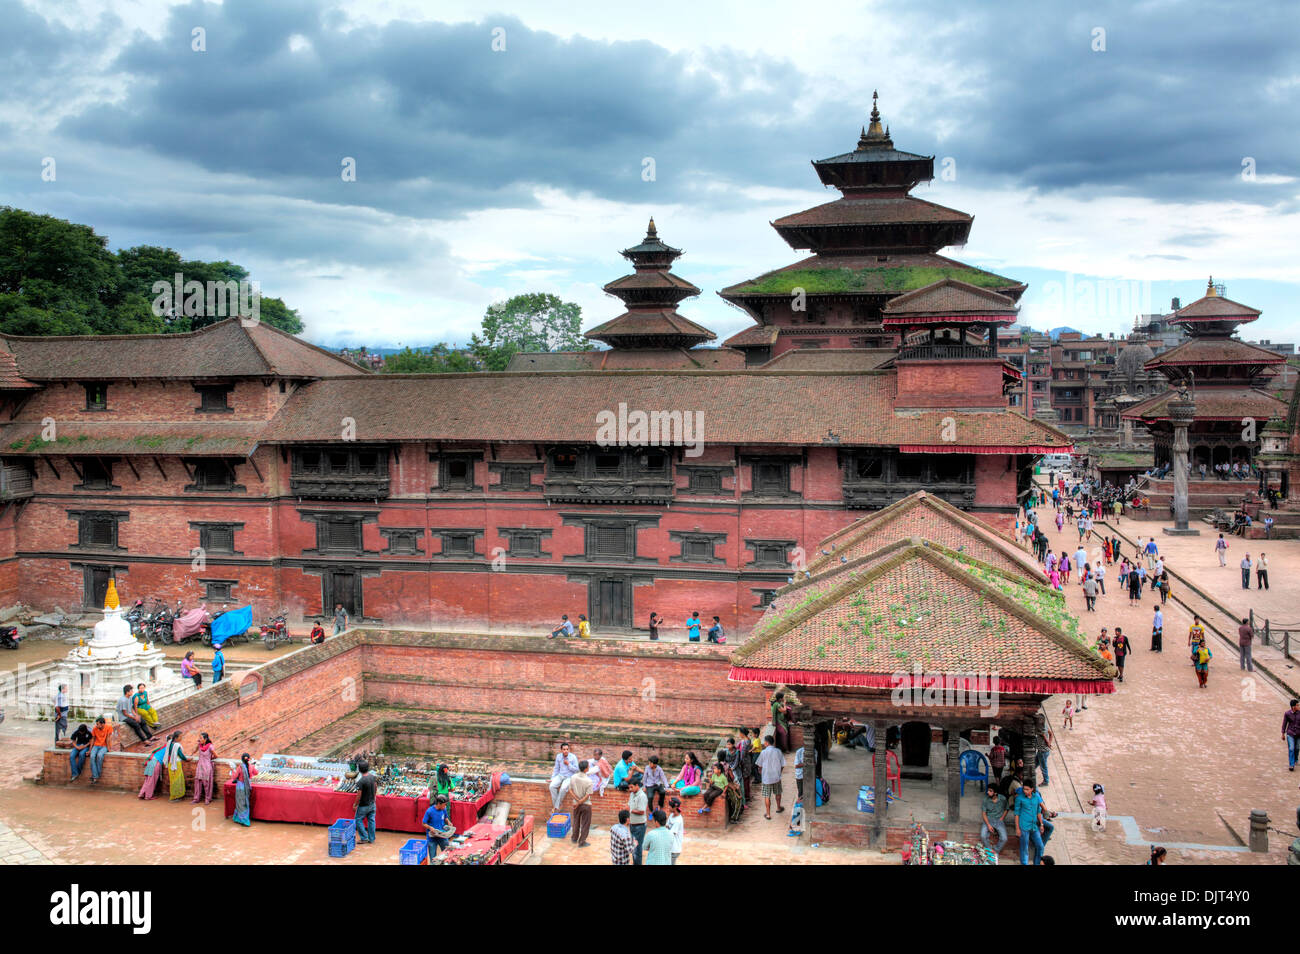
[(956, 853), (283, 777)]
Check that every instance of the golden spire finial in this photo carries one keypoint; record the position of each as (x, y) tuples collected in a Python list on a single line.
[(875, 129), (110, 598), (651, 229), (1210, 290)]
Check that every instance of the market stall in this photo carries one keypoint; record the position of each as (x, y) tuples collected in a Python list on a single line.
[(488, 844), (919, 850), (319, 792)]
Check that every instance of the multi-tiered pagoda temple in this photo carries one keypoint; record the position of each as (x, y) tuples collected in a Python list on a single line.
[(1224, 375), (874, 243)]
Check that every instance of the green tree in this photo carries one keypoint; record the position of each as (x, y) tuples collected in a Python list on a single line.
[(56, 274), (439, 359), (537, 321)]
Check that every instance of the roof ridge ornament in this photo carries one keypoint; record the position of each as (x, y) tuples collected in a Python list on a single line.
[(1210, 290), (875, 136)]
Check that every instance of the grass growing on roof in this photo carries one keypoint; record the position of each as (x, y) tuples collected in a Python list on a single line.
[(898, 278)]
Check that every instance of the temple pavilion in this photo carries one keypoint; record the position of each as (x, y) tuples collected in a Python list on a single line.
[(918, 621), (1225, 376)]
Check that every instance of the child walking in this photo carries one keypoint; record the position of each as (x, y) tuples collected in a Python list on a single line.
[(1068, 713), (1098, 804)]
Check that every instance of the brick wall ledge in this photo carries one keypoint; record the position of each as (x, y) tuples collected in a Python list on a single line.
[(596, 646)]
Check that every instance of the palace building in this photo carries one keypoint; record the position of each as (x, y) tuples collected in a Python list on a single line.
[(237, 465)]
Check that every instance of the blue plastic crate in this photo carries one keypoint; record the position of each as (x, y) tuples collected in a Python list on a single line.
[(413, 852), (559, 825), (344, 829), (341, 849)]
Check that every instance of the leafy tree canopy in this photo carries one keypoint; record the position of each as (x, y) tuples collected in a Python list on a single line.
[(59, 278), (440, 359), (537, 321)]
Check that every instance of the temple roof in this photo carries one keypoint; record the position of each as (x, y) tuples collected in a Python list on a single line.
[(930, 518), (1212, 404), (225, 349), (658, 328), (740, 407), (874, 163), (1213, 351), (928, 606), (867, 275), (949, 299), (1213, 308)]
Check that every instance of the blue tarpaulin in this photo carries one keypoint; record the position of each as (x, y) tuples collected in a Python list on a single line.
[(231, 623)]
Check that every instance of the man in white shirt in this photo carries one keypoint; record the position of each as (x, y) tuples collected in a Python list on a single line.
[(566, 766), (60, 711), (771, 763)]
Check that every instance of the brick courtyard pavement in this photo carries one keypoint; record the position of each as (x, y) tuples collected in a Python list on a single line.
[(1186, 764)]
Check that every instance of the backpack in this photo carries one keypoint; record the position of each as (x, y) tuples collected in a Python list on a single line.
[(823, 792)]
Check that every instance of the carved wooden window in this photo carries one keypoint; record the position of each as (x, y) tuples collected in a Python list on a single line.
[(706, 482), (212, 474), (96, 396), (771, 477), (458, 544), (612, 542), (213, 399), (96, 474), (338, 534)]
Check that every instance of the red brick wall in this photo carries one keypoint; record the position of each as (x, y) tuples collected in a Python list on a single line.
[(944, 384)]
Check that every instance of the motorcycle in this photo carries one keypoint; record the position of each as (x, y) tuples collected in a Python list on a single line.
[(276, 631), (10, 638)]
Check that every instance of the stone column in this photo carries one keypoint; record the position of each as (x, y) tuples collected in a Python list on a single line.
[(880, 782), (1182, 409), (1029, 728), (954, 777)]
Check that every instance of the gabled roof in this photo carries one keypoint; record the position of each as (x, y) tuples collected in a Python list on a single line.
[(225, 349), (927, 607), (946, 299), (10, 378), (756, 336), (930, 518)]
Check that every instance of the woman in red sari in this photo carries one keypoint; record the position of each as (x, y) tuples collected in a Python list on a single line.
[(205, 759)]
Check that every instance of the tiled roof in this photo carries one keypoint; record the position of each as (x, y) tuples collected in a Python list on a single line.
[(892, 210), (949, 297), (830, 359), (225, 349), (1214, 308), (625, 359), (867, 275), (77, 439), (757, 336), (750, 407), (930, 518), (653, 279), (1215, 350), (1213, 404), (10, 378), (924, 606), (663, 322)]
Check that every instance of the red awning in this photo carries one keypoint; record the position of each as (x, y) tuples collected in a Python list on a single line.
[(984, 449), (948, 320), (797, 677)]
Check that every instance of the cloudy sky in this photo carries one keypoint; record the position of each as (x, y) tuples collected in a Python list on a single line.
[(1129, 149)]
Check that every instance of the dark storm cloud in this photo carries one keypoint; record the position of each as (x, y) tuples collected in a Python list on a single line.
[(437, 121), (1182, 93)]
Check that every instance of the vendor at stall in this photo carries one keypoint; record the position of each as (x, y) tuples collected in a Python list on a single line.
[(437, 825), (443, 784)]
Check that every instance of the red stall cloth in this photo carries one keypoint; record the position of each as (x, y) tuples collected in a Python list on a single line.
[(324, 806), (464, 815)]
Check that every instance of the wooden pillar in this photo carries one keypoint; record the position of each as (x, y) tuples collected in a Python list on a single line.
[(881, 783), (809, 775), (954, 776), (1029, 727)]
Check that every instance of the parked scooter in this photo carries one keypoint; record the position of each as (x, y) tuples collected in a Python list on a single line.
[(10, 638)]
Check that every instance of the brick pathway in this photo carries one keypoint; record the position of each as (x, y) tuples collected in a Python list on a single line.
[(1187, 764)]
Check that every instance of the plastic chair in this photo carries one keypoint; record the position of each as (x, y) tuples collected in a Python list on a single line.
[(975, 768), (893, 771)]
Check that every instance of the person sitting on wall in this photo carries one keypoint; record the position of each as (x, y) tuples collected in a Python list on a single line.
[(317, 635), (598, 771), (564, 629), (624, 770)]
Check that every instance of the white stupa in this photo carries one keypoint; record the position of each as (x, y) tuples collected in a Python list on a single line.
[(96, 671)]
